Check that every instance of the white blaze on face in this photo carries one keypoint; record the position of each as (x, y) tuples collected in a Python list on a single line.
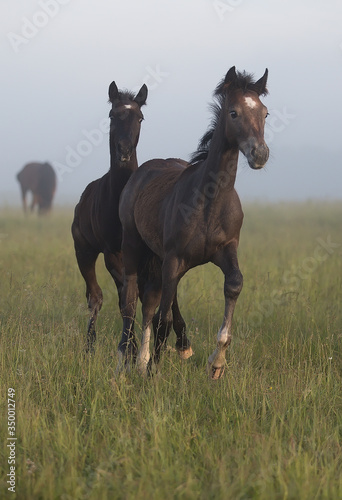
[(251, 103), (128, 106)]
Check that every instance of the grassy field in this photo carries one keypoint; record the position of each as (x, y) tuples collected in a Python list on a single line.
[(271, 428)]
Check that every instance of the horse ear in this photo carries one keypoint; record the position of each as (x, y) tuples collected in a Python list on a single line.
[(113, 92), (260, 85), (230, 76), (141, 96)]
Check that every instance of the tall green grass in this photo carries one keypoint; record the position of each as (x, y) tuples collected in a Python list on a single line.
[(269, 429)]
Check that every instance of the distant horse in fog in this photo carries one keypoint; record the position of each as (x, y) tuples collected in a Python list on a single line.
[(40, 179)]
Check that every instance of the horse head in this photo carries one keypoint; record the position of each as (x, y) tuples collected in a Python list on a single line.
[(125, 121), (245, 115)]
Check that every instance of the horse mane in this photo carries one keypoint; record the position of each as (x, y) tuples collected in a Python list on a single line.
[(124, 95), (245, 82)]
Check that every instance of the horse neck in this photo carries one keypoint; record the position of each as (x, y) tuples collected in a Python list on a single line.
[(119, 173), (220, 167)]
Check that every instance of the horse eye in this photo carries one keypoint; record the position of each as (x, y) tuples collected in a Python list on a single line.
[(267, 114), (140, 120), (233, 114)]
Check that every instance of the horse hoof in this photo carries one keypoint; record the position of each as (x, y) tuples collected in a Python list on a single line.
[(142, 366), (214, 372), (91, 339), (90, 350), (185, 353), (121, 364)]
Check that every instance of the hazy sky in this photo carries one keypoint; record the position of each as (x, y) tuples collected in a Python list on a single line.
[(58, 58)]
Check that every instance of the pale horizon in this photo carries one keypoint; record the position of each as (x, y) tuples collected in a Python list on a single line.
[(59, 57)]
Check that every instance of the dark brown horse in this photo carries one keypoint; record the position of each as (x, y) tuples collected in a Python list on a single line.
[(40, 179), (191, 216), (96, 226)]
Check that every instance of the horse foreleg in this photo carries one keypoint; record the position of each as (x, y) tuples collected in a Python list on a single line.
[(114, 265), (23, 197), (94, 299), (227, 261), (129, 297), (34, 201), (183, 343)]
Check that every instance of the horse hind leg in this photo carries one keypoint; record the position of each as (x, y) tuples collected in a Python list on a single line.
[(86, 259), (150, 301), (23, 198), (94, 299), (153, 288)]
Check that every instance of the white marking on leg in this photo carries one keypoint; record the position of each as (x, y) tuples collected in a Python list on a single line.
[(144, 353), (251, 103), (223, 336), (217, 359), (121, 363)]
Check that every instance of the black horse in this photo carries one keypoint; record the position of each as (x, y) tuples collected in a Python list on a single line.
[(96, 226), (190, 216)]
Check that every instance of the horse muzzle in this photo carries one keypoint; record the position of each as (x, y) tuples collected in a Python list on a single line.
[(124, 153), (124, 158), (257, 156)]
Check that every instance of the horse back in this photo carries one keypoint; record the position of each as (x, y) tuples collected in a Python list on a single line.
[(147, 192), (28, 177)]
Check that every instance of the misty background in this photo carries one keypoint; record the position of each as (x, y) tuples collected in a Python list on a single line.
[(58, 58)]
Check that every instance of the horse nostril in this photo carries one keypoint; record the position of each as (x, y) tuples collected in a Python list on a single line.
[(258, 156), (260, 153), (124, 152)]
